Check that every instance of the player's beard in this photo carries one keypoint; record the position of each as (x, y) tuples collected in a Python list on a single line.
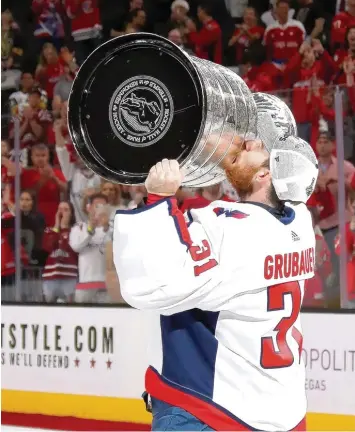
[(241, 178)]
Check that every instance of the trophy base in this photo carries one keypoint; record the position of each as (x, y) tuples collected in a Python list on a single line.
[(133, 104)]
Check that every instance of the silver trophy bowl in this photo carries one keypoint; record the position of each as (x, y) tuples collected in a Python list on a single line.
[(139, 98)]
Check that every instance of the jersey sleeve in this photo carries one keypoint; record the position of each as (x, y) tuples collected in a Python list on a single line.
[(165, 263)]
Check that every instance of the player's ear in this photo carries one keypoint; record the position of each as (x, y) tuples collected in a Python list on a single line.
[(263, 175)]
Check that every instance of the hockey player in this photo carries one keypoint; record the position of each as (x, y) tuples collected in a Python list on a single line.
[(228, 282)]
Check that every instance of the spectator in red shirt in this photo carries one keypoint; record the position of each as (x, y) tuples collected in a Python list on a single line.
[(207, 42), (62, 89), (328, 181), (34, 121), (47, 182), (315, 288), (50, 68), (246, 33), (204, 197), (284, 37), (345, 56), (322, 111), (323, 201), (340, 25), (309, 66), (350, 248), (85, 26), (60, 273), (257, 73)]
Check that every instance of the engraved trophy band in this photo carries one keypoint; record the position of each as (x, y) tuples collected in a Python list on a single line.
[(139, 98)]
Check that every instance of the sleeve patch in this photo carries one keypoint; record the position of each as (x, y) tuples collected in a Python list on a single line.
[(236, 214)]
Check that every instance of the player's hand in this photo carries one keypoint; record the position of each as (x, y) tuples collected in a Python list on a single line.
[(164, 178)]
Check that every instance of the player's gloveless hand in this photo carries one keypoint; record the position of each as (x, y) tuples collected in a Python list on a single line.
[(164, 178)]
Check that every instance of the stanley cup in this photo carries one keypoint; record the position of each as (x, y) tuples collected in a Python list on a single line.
[(139, 98)]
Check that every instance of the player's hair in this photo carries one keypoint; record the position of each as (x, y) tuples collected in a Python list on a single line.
[(351, 195)]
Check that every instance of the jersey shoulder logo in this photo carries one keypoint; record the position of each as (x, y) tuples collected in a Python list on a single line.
[(236, 214)]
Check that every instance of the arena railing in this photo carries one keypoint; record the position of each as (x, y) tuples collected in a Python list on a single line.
[(25, 284)]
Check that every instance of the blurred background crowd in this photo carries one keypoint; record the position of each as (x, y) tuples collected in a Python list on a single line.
[(301, 50)]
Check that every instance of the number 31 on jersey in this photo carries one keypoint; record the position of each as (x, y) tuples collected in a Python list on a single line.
[(281, 355)]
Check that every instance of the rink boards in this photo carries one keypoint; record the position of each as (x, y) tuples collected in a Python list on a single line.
[(74, 367)]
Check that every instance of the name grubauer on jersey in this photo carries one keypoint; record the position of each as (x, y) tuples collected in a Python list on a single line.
[(228, 282)]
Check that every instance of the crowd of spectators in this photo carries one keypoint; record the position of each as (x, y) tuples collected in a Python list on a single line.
[(299, 50)]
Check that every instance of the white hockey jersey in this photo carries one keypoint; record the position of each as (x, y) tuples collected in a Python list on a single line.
[(91, 251), (228, 281)]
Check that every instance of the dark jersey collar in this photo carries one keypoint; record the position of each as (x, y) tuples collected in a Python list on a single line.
[(283, 213)]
